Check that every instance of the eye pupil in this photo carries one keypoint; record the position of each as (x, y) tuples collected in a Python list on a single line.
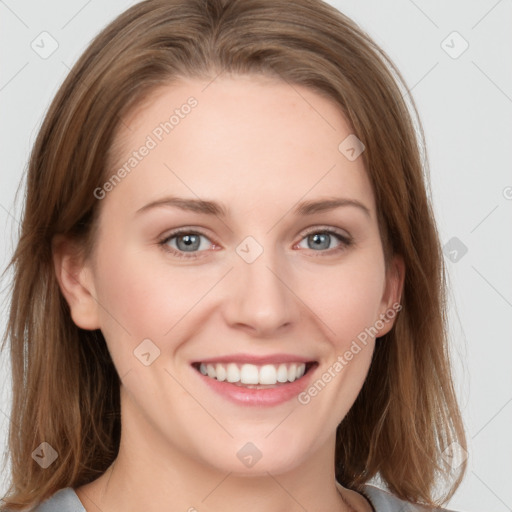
[(321, 240), (190, 241)]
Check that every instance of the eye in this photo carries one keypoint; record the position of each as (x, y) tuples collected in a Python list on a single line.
[(187, 243), (184, 241), (320, 240)]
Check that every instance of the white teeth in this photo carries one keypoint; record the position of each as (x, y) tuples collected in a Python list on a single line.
[(268, 374), (211, 370), (282, 373), (232, 373), (221, 372), (292, 372), (250, 374)]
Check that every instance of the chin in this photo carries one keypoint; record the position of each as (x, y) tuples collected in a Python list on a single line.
[(256, 457)]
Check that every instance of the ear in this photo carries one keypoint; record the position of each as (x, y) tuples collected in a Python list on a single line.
[(75, 282), (390, 304)]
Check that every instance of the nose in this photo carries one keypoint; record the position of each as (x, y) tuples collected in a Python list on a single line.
[(261, 299)]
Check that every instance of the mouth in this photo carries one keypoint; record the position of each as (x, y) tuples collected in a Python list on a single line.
[(255, 376)]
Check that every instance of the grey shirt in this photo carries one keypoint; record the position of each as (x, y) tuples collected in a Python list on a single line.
[(66, 500)]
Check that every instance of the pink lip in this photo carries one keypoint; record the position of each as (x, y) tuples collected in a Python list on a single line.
[(266, 397), (258, 360)]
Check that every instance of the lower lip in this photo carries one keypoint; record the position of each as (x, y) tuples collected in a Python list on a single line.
[(253, 396)]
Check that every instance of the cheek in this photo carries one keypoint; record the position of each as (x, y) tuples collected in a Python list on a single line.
[(347, 299), (140, 298), (136, 302), (141, 295)]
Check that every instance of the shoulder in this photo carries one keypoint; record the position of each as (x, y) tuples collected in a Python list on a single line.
[(64, 500), (384, 501)]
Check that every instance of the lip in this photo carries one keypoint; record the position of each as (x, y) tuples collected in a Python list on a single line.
[(266, 397)]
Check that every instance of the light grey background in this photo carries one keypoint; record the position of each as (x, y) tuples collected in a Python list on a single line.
[(465, 104)]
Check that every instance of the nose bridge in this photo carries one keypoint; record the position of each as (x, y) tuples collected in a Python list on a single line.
[(261, 300)]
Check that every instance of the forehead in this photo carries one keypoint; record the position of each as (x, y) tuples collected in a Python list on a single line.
[(242, 139)]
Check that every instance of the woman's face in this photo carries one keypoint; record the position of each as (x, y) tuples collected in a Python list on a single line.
[(278, 269)]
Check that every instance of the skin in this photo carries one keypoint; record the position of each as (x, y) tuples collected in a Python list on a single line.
[(259, 146)]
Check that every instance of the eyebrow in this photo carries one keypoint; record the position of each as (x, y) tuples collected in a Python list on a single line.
[(218, 209)]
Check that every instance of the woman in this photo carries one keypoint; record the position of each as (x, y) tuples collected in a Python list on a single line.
[(229, 288)]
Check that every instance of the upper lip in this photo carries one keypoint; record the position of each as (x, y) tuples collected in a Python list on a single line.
[(257, 360)]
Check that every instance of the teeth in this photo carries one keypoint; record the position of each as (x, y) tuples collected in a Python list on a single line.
[(221, 373), (210, 370), (268, 374), (282, 373), (292, 372), (249, 374), (232, 373)]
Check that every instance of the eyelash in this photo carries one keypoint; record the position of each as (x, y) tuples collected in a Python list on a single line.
[(345, 241)]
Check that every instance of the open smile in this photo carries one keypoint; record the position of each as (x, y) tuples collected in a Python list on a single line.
[(252, 375), (256, 383)]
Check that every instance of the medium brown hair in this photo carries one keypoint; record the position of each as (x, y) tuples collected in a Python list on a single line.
[(65, 386)]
